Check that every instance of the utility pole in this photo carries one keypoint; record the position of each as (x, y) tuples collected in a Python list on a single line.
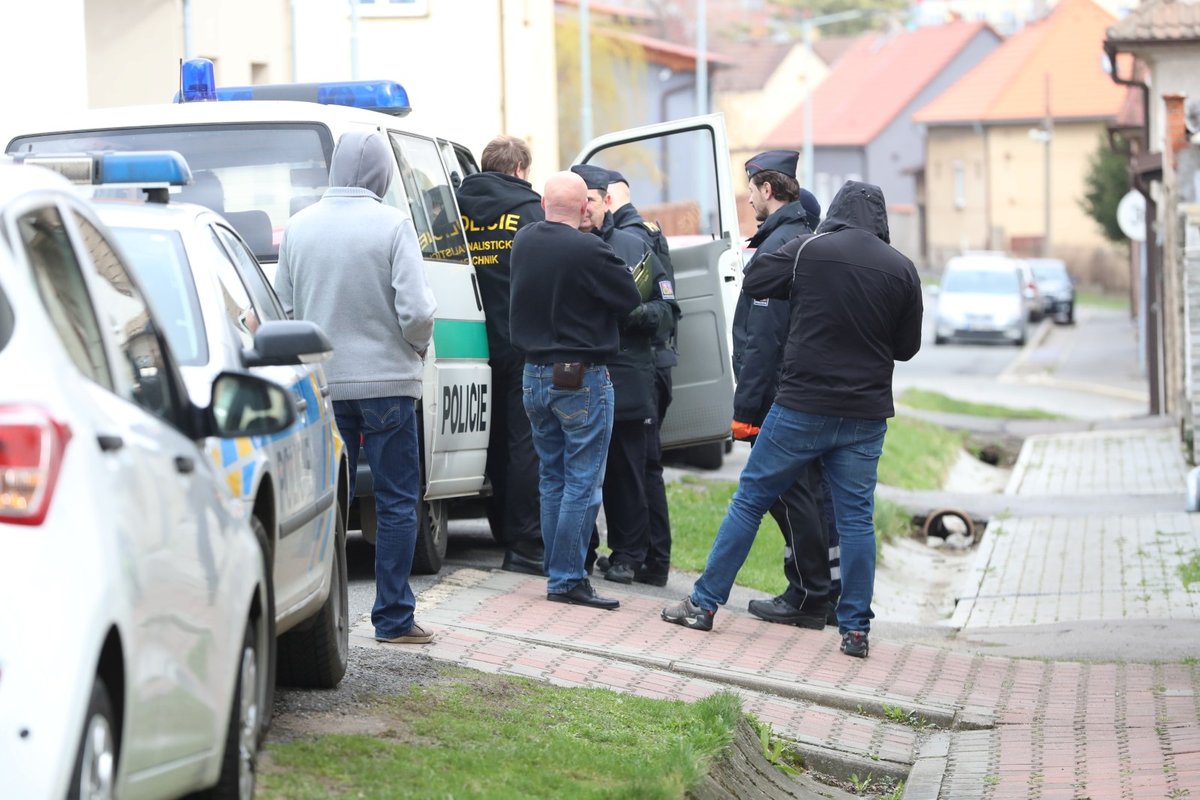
[(585, 76), (1048, 125), (807, 24), (354, 40), (701, 57)]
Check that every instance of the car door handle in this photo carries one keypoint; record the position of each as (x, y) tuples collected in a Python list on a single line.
[(110, 443), (325, 390), (184, 465)]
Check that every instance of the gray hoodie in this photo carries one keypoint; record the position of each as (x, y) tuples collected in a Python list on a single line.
[(352, 265)]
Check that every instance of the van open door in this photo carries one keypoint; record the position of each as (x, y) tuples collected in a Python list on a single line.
[(679, 178)]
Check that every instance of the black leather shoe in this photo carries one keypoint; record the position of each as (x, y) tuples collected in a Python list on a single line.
[(652, 577), (582, 594), (779, 610), (516, 562), (602, 563), (619, 573)]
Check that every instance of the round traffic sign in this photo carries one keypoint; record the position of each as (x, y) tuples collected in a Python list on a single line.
[(1131, 215)]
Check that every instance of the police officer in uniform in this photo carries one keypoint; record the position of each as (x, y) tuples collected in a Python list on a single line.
[(625, 508), (495, 204), (760, 328), (625, 216)]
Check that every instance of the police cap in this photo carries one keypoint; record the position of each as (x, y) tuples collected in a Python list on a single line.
[(616, 177), (811, 205), (782, 161), (595, 177)]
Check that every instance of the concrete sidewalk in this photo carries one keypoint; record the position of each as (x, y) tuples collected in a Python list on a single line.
[(982, 726)]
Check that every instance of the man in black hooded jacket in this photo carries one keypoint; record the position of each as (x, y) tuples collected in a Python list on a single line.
[(855, 310), (495, 204)]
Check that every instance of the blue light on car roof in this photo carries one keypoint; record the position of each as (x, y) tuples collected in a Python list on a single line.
[(196, 81), (388, 97), (143, 167)]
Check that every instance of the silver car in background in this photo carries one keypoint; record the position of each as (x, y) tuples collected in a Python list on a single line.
[(982, 298), (1056, 288)]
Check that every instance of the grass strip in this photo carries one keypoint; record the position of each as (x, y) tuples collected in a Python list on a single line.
[(477, 735), (935, 401)]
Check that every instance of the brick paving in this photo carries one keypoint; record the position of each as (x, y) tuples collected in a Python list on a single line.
[(993, 727)]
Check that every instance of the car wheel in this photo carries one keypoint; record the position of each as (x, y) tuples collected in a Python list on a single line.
[(432, 535), (939, 339), (95, 771), (367, 520), (239, 763), (267, 643), (315, 655), (706, 456)]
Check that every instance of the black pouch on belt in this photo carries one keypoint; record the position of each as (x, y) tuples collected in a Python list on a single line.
[(568, 375)]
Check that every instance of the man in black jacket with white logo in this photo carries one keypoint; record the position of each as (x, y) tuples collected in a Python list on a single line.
[(495, 204), (855, 310)]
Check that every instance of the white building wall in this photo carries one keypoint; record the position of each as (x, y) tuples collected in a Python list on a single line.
[(44, 66), (473, 69)]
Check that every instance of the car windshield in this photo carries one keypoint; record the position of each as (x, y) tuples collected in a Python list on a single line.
[(276, 168), (980, 281), (1050, 272), (160, 265)]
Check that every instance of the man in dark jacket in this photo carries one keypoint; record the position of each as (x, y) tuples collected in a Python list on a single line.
[(495, 204), (569, 291), (760, 327), (625, 508), (855, 311), (626, 218)]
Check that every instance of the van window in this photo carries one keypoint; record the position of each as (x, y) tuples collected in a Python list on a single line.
[(278, 168), (430, 198)]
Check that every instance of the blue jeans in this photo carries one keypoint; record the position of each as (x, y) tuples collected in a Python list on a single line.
[(571, 431), (849, 450), (388, 429)]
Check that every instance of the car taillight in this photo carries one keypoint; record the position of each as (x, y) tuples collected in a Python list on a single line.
[(32, 444)]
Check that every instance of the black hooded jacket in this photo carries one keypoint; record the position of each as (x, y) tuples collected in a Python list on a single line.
[(855, 309), (494, 207), (760, 325)]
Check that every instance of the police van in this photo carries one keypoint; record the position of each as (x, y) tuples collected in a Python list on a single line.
[(261, 153)]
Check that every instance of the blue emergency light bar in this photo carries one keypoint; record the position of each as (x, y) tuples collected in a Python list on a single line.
[(147, 168), (388, 97)]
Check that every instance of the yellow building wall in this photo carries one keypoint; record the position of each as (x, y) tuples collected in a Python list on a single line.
[(955, 216), (1017, 164)]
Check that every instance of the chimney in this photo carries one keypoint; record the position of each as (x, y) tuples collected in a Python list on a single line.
[(1175, 126)]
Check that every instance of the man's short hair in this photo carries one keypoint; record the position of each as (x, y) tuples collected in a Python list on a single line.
[(783, 187), (506, 154)]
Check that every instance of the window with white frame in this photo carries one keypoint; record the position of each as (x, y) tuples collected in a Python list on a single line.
[(960, 186)]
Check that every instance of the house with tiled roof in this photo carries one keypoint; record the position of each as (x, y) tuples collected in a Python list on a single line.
[(1164, 37), (862, 125), (1008, 146)]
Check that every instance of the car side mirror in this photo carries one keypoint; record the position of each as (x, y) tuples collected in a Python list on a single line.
[(287, 342), (247, 405)]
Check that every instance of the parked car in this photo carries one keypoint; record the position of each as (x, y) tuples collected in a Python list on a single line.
[(205, 285), (981, 298), (135, 628), (1056, 288)]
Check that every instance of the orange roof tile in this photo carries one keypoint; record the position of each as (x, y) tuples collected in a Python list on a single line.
[(1064, 50), (872, 83)]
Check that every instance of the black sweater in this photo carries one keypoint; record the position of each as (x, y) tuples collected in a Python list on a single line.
[(855, 309), (569, 289)]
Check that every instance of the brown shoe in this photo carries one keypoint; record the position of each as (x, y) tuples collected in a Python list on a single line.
[(416, 635)]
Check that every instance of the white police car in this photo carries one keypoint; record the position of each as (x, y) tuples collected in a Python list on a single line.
[(135, 628), (212, 299), (270, 154)]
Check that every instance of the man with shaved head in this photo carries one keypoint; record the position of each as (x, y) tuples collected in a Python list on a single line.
[(569, 289)]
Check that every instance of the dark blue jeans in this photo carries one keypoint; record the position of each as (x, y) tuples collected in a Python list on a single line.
[(849, 450), (571, 431), (388, 429)]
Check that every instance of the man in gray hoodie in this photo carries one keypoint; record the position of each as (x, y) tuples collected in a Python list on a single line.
[(353, 265)]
